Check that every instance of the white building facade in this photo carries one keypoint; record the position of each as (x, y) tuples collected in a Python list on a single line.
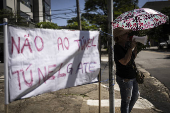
[(32, 10)]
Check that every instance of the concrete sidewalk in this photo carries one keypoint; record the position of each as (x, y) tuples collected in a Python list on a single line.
[(80, 99)]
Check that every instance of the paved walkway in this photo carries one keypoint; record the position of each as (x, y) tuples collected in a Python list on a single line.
[(80, 99)]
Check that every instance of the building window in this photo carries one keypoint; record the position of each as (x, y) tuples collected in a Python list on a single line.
[(47, 17), (9, 9), (27, 3), (47, 7), (26, 16), (47, 12)]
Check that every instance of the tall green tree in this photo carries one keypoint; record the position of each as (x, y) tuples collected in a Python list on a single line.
[(160, 33), (73, 24), (121, 6), (166, 26), (97, 12)]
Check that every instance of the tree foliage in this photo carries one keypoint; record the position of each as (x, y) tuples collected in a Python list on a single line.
[(97, 12), (6, 14), (121, 6), (166, 26), (12, 19), (161, 32), (97, 9), (73, 24), (47, 25)]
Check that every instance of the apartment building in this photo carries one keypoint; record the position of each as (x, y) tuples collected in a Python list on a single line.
[(34, 11)]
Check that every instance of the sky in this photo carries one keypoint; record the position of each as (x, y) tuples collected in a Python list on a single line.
[(63, 10)]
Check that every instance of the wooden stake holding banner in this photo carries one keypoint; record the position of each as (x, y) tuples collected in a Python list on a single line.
[(100, 71), (6, 108), (5, 20)]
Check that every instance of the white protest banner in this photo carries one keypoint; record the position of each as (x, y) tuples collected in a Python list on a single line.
[(45, 60)]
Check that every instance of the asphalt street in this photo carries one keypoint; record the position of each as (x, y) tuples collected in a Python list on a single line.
[(157, 63)]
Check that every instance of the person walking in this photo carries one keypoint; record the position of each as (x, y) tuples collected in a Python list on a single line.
[(124, 55)]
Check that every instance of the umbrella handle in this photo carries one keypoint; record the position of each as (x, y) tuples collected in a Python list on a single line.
[(136, 23)]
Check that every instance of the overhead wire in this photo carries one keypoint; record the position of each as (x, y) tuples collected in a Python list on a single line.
[(69, 12), (72, 9)]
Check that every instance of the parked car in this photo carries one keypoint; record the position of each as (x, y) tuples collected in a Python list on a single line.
[(163, 44)]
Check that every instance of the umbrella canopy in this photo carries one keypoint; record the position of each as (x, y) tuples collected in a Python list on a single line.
[(140, 19)]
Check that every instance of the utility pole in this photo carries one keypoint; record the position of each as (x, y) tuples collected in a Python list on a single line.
[(15, 10), (78, 15), (110, 47), (5, 27)]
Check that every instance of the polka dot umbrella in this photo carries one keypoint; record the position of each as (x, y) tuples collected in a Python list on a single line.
[(140, 19)]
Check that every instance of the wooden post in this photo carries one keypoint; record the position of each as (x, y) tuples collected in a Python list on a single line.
[(6, 108)]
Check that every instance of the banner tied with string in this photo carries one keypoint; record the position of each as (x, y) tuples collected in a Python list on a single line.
[(46, 60)]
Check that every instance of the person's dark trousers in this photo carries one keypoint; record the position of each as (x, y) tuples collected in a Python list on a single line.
[(129, 93)]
